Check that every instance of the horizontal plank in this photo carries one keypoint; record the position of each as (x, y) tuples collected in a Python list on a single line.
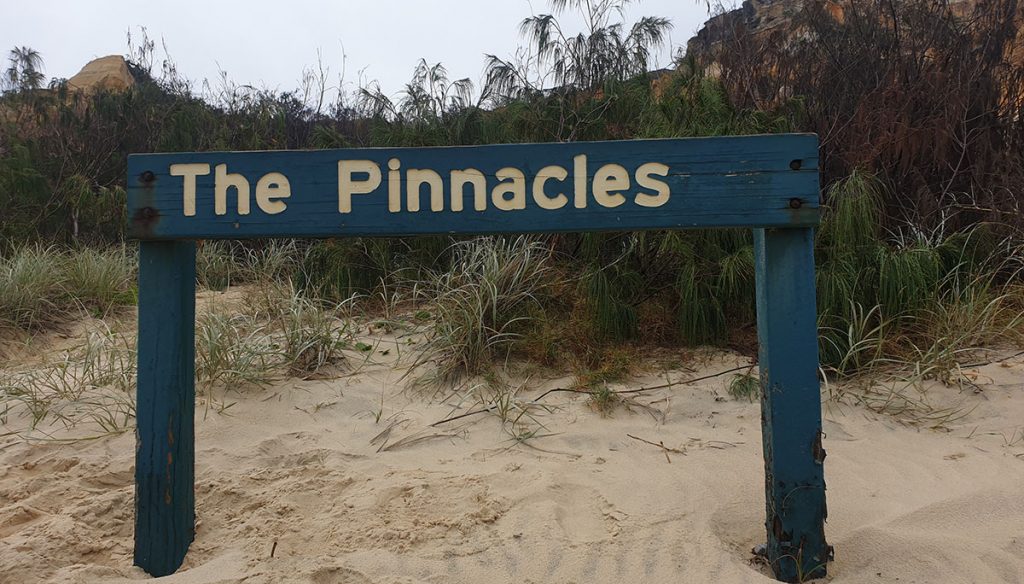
[(743, 181)]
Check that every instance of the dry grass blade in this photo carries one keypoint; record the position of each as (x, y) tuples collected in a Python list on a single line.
[(416, 438)]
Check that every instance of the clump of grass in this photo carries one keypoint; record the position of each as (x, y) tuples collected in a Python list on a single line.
[(745, 386), (100, 280), (216, 266), (973, 306), (42, 285), (901, 397), (922, 300), (109, 360), (860, 344), (482, 304), (221, 264), (275, 260), (268, 300), (339, 269), (519, 417), (608, 365), (308, 333), (232, 350), (973, 313), (31, 284), (312, 336), (613, 315)]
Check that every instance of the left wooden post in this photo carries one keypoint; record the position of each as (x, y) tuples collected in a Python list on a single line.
[(165, 406)]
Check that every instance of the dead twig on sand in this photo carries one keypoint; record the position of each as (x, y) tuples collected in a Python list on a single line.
[(660, 445), (1000, 360)]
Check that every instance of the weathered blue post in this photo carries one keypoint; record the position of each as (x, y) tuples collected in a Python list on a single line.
[(791, 403), (165, 411)]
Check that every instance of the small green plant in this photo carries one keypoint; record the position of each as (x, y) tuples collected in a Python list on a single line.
[(608, 365), (745, 386), (604, 399), (519, 417)]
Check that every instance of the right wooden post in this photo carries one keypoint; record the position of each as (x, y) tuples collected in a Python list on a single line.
[(791, 403)]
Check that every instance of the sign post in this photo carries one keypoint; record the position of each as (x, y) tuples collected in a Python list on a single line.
[(767, 183), (165, 406)]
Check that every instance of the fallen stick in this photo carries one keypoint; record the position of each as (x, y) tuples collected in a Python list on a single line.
[(660, 445)]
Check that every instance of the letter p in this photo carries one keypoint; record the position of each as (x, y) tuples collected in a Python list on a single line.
[(348, 186)]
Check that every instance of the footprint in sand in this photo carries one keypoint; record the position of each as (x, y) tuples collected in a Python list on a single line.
[(338, 575), (583, 514), (13, 520)]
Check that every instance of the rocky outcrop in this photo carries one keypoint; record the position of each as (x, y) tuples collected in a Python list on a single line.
[(756, 17), (104, 74), (760, 18)]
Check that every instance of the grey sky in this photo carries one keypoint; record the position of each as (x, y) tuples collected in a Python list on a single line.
[(268, 43)]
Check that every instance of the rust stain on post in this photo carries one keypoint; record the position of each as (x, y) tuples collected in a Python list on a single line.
[(144, 220)]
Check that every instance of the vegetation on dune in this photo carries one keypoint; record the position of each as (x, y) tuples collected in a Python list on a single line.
[(41, 285), (925, 95), (493, 291), (919, 253)]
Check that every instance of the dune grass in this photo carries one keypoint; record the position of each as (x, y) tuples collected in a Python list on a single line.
[(924, 303), (92, 383), (221, 264), (275, 329), (44, 285), (232, 351), (312, 334), (100, 280), (239, 346), (482, 303), (31, 286)]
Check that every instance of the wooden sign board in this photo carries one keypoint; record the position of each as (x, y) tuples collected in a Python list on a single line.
[(768, 183)]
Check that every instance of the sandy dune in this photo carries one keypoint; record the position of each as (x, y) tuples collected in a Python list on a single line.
[(291, 470)]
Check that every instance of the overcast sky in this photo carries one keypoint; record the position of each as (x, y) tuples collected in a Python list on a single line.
[(268, 43)]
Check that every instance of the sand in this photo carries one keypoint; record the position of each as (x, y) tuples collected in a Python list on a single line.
[(293, 487)]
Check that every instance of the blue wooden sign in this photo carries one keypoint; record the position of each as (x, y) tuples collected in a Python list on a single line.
[(643, 184), (768, 183)]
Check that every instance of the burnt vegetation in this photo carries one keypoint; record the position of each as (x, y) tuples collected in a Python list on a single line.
[(925, 94)]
